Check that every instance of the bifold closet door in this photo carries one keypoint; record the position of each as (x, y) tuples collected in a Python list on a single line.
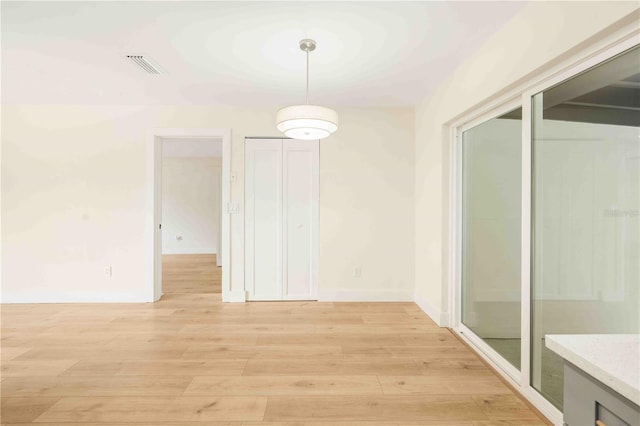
[(281, 219), (300, 180), (263, 219)]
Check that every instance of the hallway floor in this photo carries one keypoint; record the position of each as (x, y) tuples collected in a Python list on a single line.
[(191, 273)]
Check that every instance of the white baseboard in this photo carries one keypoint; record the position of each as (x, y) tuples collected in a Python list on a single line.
[(439, 317), (363, 296), (189, 250), (234, 296), (75, 298)]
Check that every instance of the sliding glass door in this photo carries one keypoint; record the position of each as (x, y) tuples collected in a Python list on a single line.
[(547, 230), (586, 156), (491, 171)]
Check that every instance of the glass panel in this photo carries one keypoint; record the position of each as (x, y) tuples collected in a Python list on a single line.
[(586, 152), (491, 171)]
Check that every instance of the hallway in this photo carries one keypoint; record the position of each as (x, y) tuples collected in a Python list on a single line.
[(191, 273)]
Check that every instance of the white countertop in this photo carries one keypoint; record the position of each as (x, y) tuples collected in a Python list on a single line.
[(613, 359)]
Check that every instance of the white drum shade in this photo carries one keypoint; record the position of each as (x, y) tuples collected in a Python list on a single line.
[(307, 121)]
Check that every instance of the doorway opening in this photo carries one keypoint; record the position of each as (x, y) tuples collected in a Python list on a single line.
[(191, 215), (189, 238)]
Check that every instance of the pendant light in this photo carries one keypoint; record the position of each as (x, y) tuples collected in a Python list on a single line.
[(307, 121)]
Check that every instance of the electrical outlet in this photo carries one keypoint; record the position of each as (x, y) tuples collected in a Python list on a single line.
[(357, 271), (107, 271)]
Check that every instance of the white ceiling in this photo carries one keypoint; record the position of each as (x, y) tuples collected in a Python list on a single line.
[(191, 148), (238, 53)]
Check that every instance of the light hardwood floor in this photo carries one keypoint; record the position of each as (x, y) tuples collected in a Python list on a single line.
[(190, 273), (190, 359)]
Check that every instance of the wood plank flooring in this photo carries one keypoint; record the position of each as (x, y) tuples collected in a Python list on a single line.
[(190, 273), (189, 359)]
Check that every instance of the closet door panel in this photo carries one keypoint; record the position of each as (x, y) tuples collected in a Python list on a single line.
[(300, 218), (263, 219)]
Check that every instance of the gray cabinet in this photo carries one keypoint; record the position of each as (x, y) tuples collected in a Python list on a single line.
[(587, 401)]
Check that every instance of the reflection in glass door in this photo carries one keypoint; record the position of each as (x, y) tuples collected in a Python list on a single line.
[(585, 257), (491, 198)]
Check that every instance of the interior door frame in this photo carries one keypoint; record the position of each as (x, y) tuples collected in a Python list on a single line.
[(153, 240), (219, 210)]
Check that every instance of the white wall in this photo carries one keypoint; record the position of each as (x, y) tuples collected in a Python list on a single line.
[(73, 187), (190, 205), (366, 182), (542, 34)]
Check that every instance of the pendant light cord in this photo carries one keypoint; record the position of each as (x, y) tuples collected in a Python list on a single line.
[(307, 77)]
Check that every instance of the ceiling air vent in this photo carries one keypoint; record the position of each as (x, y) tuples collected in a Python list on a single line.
[(145, 63)]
